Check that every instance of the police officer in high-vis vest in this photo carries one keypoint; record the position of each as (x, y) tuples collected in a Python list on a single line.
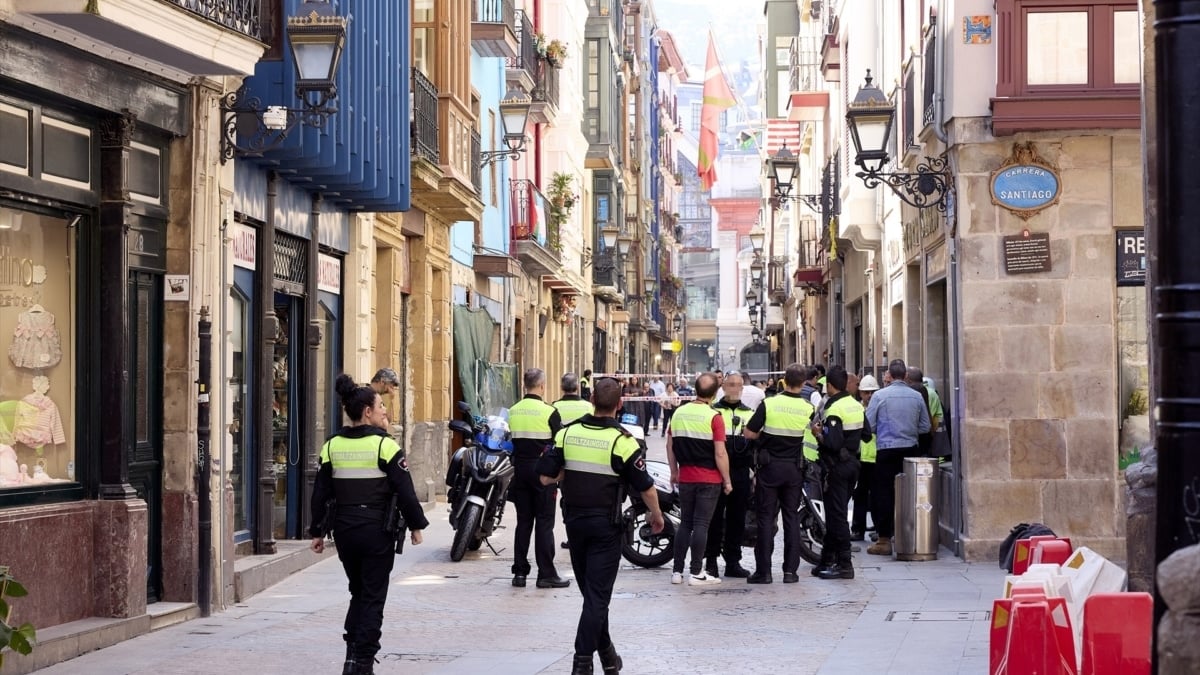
[(361, 469), (866, 469), (571, 406), (596, 460), (781, 425), (729, 520), (533, 423), (839, 429)]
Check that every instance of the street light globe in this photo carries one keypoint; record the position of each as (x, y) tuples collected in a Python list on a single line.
[(711, 352)]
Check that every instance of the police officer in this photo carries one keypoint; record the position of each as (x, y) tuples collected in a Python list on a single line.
[(533, 423), (361, 467), (839, 432), (571, 406), (729, 520), (866, 469), (781, 424), (594, 459)]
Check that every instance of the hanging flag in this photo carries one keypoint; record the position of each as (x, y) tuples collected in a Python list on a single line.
[(717, 98)]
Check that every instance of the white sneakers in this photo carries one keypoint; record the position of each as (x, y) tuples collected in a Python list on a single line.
[(677, 577), (702, 579)]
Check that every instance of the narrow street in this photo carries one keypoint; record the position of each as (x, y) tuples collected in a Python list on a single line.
[(447, 618)]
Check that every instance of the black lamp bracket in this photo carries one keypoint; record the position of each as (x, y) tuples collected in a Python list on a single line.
[(243, 115), (927, 187)]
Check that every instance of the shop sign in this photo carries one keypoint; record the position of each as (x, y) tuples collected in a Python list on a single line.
[(243, 242), (1131, 257), (1026, 253), (1025, 183), (916, 231), (329, 273), (177, 287)]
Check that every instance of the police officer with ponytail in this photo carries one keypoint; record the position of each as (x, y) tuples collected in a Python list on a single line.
[(363, 476), (839, 430), (596, 460)]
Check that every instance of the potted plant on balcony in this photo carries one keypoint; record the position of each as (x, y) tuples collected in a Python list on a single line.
[(556, 53), (564, 307), (562, 198)]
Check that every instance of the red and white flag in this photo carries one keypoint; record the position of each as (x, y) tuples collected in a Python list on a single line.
[(717, 98)]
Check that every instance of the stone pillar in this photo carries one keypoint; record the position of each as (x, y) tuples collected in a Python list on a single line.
[(119, 541), (1141, 479), (264, 398), (1178, 649)]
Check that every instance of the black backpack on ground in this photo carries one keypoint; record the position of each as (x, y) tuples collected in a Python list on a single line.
[(1021, 531)]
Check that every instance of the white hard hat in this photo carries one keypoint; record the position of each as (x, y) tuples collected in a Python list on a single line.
[(868, 383)]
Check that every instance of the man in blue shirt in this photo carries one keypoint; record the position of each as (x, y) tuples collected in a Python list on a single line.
[(897, 415)]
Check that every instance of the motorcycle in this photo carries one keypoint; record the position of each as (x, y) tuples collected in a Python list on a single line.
[(640, 545), (812, 527), (477, 479)]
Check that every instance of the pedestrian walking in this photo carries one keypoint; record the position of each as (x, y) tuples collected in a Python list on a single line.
[(866, 470), (700, 467), (839, 432), (533, 423), (362, 472), (670, 402), (385, 381), (897, 415), (572, 405), (596, 460), (781, 425), (585, 386), (728, 526), (659, 390), (752, 394)]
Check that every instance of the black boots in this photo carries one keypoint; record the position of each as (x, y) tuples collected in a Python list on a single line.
[(843, 568), (710, 568), (826, 562), (357, 664), (582, 665), (610, 660)]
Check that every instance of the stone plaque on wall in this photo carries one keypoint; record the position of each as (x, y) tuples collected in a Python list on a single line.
[(1025, 253)]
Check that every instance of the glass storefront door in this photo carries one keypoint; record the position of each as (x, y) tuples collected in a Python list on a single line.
[(287, 377), (242, 469)]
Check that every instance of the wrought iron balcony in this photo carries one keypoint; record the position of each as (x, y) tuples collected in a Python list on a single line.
[(493, 28), (545, 93), (606, 277), (534, 238), (242, 16), (424, 118), (476, 168), (522, 68)]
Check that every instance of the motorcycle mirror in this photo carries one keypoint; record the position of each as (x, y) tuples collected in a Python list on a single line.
[(460, 427), (463, 407)]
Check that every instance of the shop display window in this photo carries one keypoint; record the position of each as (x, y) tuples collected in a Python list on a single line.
[(37, 338)]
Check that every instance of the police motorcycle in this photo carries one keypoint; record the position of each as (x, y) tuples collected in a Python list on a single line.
[(640, 545), (812, 527), (477, 479)]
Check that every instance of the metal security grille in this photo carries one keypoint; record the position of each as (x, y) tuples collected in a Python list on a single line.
[(291, 258)]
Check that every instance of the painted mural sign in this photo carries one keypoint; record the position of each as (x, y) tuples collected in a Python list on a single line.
[(1025, 183)]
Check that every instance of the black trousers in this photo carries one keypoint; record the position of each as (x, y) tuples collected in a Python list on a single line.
[(862, 497), (728, 526), (595, 557), (534, 503), (778, 487), (839, 481), (888, 465), (367, 554)]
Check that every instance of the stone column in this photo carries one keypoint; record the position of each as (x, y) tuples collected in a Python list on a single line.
[(264, 295)]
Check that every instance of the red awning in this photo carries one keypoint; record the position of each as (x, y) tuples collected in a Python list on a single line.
[(808, 106)]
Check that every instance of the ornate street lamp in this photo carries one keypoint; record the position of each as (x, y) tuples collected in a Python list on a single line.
[(651, 285), (757, 237), (317, 38), (677, 323), (871, 116), (514, 115), (784, 165), (609, 235), (624, 243)]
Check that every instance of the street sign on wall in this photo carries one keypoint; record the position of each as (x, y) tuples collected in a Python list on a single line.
[(1025, 183)]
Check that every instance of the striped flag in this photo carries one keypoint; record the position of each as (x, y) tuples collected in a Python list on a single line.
[(717, 98)]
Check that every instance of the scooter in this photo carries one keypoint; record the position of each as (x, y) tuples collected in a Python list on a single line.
[(478, 479), (640, 545)]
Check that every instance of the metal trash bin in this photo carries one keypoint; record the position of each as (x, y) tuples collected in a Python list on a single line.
[(917, 530)]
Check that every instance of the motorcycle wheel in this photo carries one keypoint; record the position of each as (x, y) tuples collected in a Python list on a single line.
[(468, 525), (475, 545), (812, 535), (642, 547)]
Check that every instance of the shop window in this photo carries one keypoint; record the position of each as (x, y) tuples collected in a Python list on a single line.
[(14, 129), (37, 379), (1058, 65), (68, 153)]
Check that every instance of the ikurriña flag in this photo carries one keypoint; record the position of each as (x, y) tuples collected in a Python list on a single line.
[(717, 98)]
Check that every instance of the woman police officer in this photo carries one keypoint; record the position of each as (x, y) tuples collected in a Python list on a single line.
[(361, 469)]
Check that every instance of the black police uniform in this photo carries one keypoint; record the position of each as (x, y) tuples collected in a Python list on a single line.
[(361, 467), (599, 457), (533, 424), (843, 426), (728, 526)]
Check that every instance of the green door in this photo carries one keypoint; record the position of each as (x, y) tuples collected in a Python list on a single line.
[(146, 457)]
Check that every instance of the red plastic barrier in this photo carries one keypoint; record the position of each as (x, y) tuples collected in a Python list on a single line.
[(1117, 629), (1031, 636), (1056, 551), (1023, 555)]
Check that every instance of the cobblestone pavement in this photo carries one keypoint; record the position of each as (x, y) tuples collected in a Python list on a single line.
[(457, 618)]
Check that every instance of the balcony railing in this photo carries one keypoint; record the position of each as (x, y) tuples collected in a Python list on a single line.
[(424, 118), (494, 11), (534, 238), (476, 169), (604, 269), (545, 87), (242, 16), (526, 58)]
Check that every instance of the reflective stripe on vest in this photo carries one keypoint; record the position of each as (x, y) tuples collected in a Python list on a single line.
[(529, 418), (849, 411), (571, 409), (787, 416), (693, 420), (357, 458)]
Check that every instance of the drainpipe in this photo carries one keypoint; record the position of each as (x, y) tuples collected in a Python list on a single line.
[(204, 466)]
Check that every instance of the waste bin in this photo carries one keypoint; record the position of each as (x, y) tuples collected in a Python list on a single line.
[(917, 531)]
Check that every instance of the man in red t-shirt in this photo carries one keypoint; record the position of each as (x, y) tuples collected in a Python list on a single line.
[(700, 467)]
